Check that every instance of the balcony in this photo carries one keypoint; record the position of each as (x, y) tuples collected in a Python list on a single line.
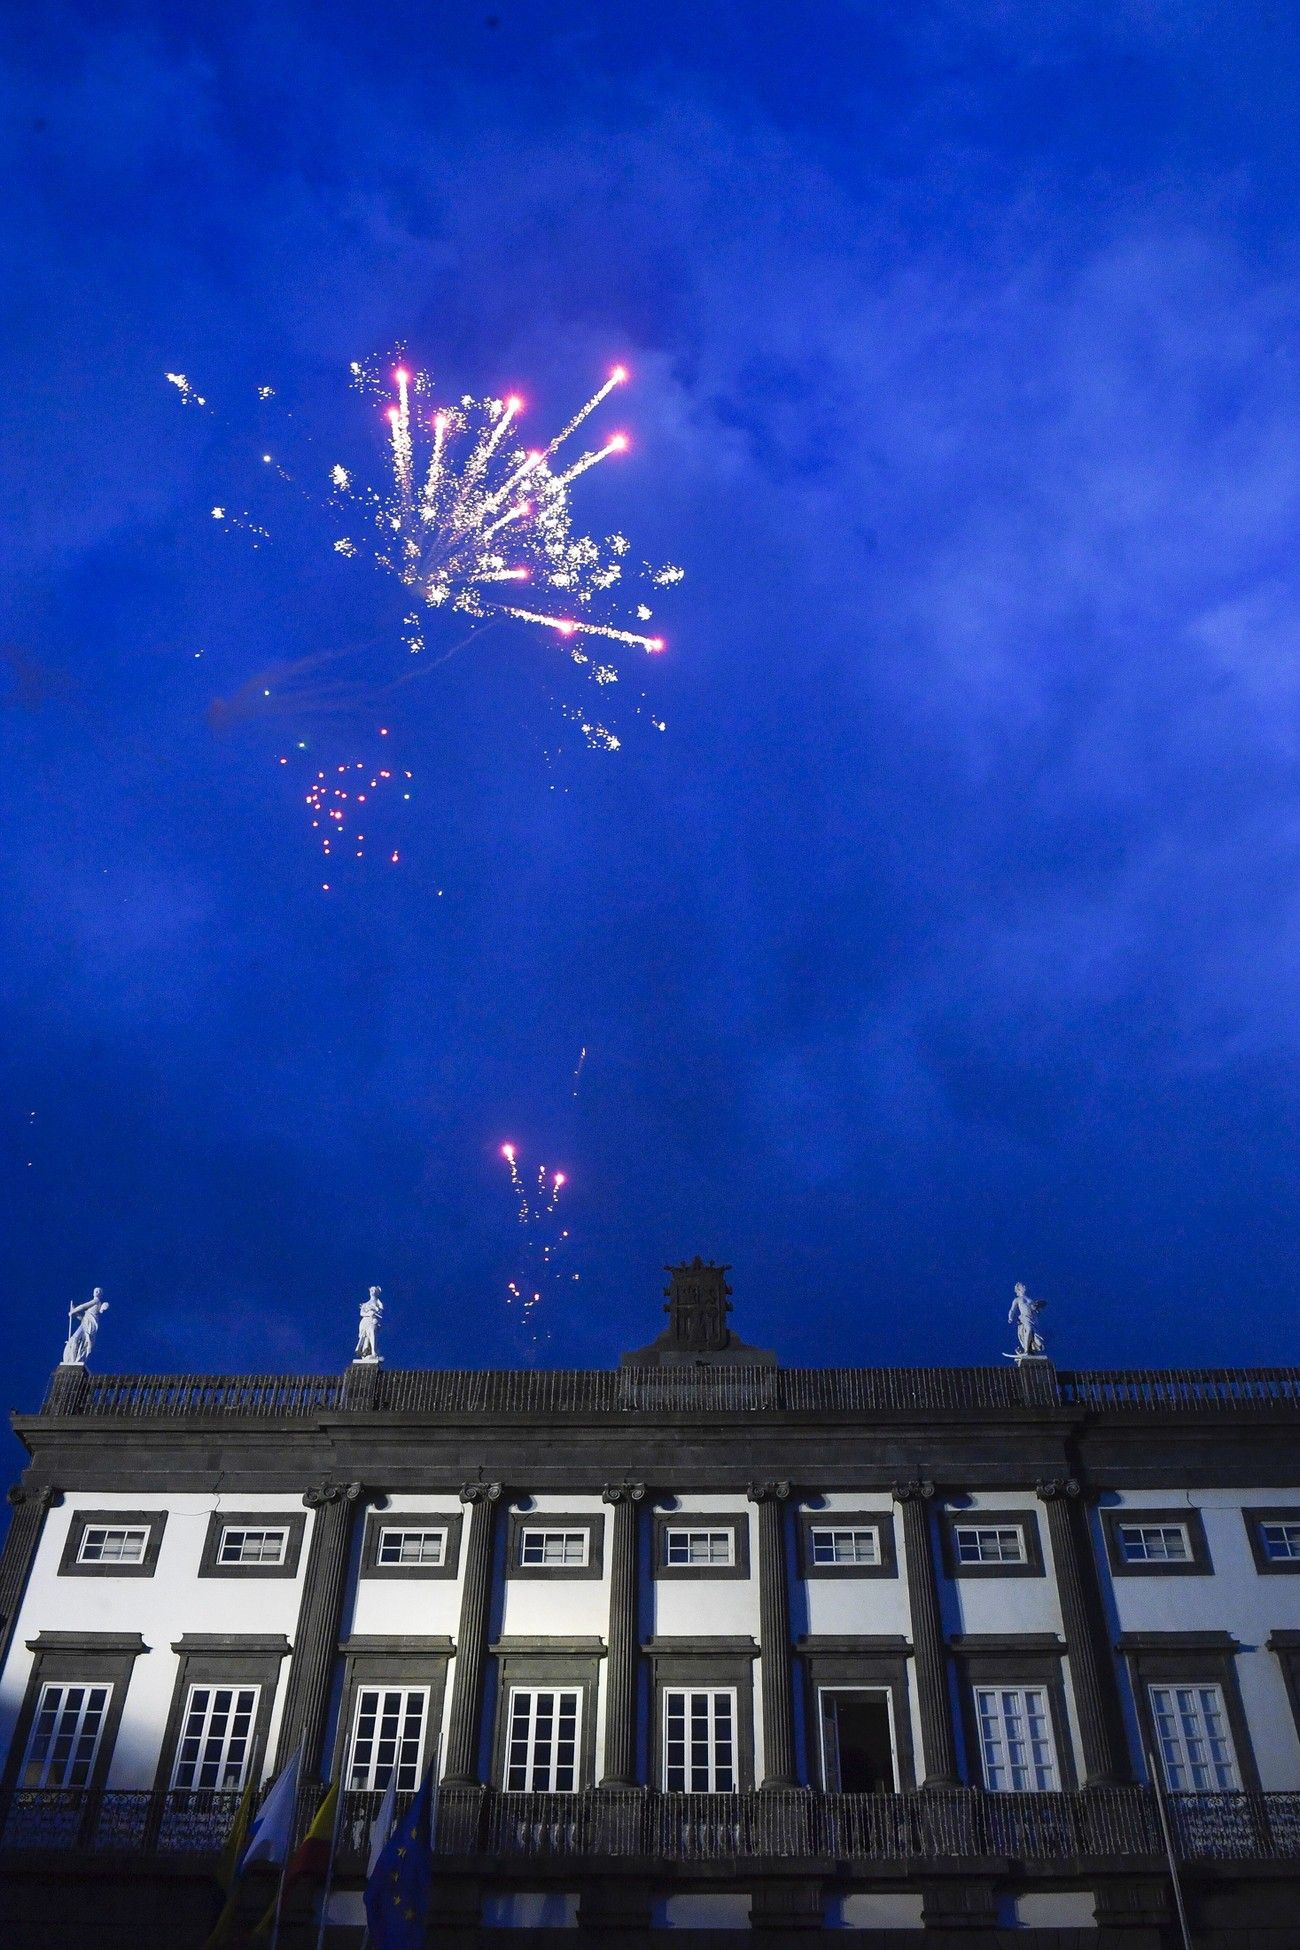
[(492, 1831)]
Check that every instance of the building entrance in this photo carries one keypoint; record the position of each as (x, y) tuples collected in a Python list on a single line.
[(857, 1742)]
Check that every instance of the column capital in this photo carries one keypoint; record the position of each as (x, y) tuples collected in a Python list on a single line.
[(41, 1498), (1051, 1489), (767, 1492), (318, 1495), (480, 1492), (622, 1493), (920, 1490)]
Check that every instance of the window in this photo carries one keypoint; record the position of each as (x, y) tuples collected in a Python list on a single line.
[(989, 1544), (1156, 1543), (1015, 1739), (252, 1544), (700, 1547), (845, 1546), (241, 1546), (65, 1735), (102, 1544), (216, 1737), (553, 1547), (411, 1546), (1281, 1542), (542, 1744), (699, 1741), (1192, 1736), (1274, 1540), (388, 1732), (112, 1543)]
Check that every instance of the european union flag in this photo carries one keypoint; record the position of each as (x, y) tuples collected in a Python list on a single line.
[(397, 1894)]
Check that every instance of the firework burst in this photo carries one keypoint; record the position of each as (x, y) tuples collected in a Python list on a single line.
[(544, 1236)]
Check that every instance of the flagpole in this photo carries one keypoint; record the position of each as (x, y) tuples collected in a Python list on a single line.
[(329, 1866), (1167, 1833), (284, 1866)]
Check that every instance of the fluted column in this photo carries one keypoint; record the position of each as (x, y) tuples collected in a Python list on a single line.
[(621, 1665), (465, 1722), (779, 1769), (25, 1526), (938, 1746), (320, 1614), (1096, 1693)]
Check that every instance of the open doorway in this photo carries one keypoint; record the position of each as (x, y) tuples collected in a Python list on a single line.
[(857, 1740)]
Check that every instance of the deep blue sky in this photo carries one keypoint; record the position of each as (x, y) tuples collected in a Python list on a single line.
[(948, 936)]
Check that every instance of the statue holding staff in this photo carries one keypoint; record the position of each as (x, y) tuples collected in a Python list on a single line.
[(1024, 1315), (81, 1337), (371, 1313)]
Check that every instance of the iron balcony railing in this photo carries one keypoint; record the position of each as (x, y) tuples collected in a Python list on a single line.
[(514, 1392), (484, 1825)]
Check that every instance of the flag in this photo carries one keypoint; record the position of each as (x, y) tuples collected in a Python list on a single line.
[(310, 1861), (401, 1882), (228, 1868), (383, 1824), (271, 1830)]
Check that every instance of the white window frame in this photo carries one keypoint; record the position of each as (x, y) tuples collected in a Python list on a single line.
[(105, 1530), (1290, 1529), (1182, 1717), (976, 1532), (262, 1530), (875, 1692), (531, 1764), (436, 1532), (1026, 1743), (855, 1533), (1141, 1531), (545, 1538), (688, 1534), (409, 1770), (97, 1695), (244, 1700), (711, 1764)]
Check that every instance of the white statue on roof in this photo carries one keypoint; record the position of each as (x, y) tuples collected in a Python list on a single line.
[(81, 1338), (1024, 1315), (371, 1314)]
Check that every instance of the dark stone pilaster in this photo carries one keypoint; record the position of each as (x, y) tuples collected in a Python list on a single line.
[(774, 1636), (28, 1520), (316, 1639), (465, 1723), (1096, 1693), (624, 1638), (939, 1748)]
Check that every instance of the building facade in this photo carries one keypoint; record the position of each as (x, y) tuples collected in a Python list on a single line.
[(701, 1644)]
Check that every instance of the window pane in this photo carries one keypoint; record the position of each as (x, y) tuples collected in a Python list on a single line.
[(245, 1546), (1016, 1747), (699, 1742), (542, 1742), (411, 1546), (65, 1735), (553, 1547), (845, 1547), (1192, 1735), (1281, 1541), (216, 1737), (1155, 1543), (700, 1547), (992, 1544), (102, 1545), (388, 1732)]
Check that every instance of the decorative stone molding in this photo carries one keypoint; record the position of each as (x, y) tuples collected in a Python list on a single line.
[(480, 1492), (623, 1493), (918, 1490), (1052, 1488), (767, 1492), (322, 1494)]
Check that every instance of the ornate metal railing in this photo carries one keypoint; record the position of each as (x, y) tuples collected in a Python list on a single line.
[(516, 1392), (482, 1824)]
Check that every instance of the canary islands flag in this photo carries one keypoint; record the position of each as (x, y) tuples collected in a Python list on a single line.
[(401, 1883)]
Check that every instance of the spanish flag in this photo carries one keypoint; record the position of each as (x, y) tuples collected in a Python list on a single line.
[(310, 1861)]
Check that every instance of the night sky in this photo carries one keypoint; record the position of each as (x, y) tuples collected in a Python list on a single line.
[(947, 936)]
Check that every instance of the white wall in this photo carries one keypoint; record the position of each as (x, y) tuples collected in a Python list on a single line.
[(161, 1608), (1236, 1599)]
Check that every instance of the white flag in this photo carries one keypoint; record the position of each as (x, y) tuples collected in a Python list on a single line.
[(271, 1830), (383, 1827)]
